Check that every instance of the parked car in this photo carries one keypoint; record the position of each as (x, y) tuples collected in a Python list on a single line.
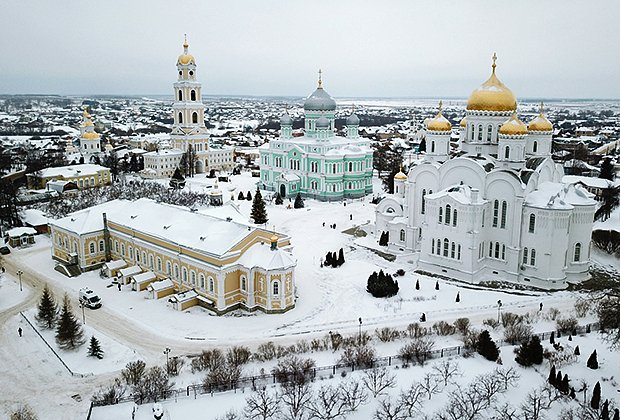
[(4, 250), (89, 298)]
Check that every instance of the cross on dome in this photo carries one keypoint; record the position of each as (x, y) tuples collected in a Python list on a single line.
[(494, 59), (320, 79)]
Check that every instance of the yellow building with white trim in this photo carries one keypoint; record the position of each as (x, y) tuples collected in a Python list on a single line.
[(229, 264)]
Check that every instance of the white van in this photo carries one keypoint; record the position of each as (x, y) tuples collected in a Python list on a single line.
[(89, 298)]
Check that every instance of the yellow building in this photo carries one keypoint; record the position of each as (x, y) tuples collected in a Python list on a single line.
[(84, 176), (228, 264)]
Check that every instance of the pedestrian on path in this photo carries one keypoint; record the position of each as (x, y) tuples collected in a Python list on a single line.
[(19, 331), (541, 305), (119, 285)]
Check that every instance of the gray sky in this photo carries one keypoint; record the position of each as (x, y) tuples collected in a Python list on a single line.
[(545, 48)]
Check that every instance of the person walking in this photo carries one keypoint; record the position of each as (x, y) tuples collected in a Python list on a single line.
[(119, 285), (19, 331)]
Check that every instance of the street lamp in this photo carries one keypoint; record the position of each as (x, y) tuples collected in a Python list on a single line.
[(360, 333), (167, 352), (83, 317), (19, 274), (499, 308)]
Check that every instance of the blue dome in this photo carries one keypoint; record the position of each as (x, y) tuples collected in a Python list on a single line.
[(286, 120), (353, 120), (320, 101), (322, 122)]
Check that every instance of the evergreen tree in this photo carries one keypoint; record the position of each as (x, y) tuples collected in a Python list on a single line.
[(384, 239), (605, 411), (437, 285), (278, 199), (381, 285), (69, 334), (607, 169), (299, 202), (616, 414), (551, 378), (592, 362), (536, 350), (329, 259), (417, 284), (94, 349), (487, 347), (552, 338), (572, 393), (248, 196), (577, 351), (47, 309), (340, 257), (458, 297), (241, 196), (531, 352), (564, 387), (595, 402), (178, 180), (422, 146), (259, 212), (558, 380)]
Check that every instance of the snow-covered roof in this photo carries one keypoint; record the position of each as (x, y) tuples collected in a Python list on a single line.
[(289, 177), (164, 152), (558, 196), (73, 170), (261, 255), (587, 180), (19, 231), (34, 217), (185, 296), (88, 220), (146, 276), (160, 285), (130, 271), (113, 265), (463, 194)]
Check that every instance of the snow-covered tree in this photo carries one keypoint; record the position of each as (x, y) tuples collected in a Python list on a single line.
[(47, 309), (69, 333), (259, 212), (94, 349)]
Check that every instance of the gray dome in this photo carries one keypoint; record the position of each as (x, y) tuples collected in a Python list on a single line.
[(286, 120), (322, 122), (319, 101), (353, 120)]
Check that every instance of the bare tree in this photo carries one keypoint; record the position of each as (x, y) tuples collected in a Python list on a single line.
[(353, 395), (328, 404), (447, 370), (430, 384), (23, 412), (508, 377), (261, 405), (418, 349), (390, 410), (412, 399), (539, 401), (506, 412), (229, 415), (378, 379), (295, 398)]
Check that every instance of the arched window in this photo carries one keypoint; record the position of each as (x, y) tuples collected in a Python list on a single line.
[(480, 132), (495, 212), (184, 272), (453, 250), (423, 201), (192, 95), (192, 278), (446, 244), (507, 152), (211, 285), (91, 247), (123, 250), (402, 235), (276, 288), (159, 264), (577, 254), (438, 246), (504, 210), (195, 118), (532, 225), (448, 213), (533, 257), (491, 249), (433, 146), (524, 256), (101, 246), (440, 214), (334, 168), (176, 271), (489, 131), (180, 118), (137, 255), (535, 147), (201, 281), (503, 252), (458, 257), (484, 215), (244, 285), (180, 95), (497, 250), (454, 218), (144, 258), (130, 253), (433, 246), (350, 166), (168, 268), (115, 246), (472, 128), (351, 186)]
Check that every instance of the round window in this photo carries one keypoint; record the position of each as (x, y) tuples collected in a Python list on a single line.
[(180, 72), (191, 72)]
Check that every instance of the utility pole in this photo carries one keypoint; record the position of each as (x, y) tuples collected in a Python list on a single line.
[(19, 274)]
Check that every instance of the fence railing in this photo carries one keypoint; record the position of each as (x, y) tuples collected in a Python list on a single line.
[(320, 372)]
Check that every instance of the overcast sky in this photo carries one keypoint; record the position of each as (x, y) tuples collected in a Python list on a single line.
[(388, 48)]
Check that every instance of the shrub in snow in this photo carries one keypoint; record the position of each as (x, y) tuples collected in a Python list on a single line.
[(278, 199), (94, 349), (248, 196), (509, 318), (384, 238), (491, 322), (238, 355), (517, 333), (208, 360), (47, 309), (381, 285), (553, 313), (458, 297), (241, 196), (265, 351), (567, 325), (552, 375), (582, 307), (414, 330), (155, 385), (293, 369), (133, 372), (486, 347), (437, 285), (299, 202), (417, 350), (577, 352), (261, 405), (174, 365), (69, 333), (417, 284), (110, 394), (399, 273), (592, 362), (387, 334), (23, 412), (359, 356), (530, 352), (443, 328), (462, 325), (595, 402)]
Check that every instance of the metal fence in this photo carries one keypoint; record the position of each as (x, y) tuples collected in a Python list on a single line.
[(321, 372)]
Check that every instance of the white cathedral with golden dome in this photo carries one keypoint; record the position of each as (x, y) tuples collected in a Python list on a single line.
[(90, 141), (496, 210)]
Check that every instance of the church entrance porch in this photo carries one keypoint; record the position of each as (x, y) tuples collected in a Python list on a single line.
[(282, 190), (200, 166)]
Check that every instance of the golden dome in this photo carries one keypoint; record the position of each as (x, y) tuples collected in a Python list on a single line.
[(91, 135), (513, 127), (540, 122), (439, 123), (186, 58), (492, 95), (400, 176), (87, 123), (463, 122)]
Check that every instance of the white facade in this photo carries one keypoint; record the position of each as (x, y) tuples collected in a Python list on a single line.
[(90, 141), (496, 212), (161, 163)]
